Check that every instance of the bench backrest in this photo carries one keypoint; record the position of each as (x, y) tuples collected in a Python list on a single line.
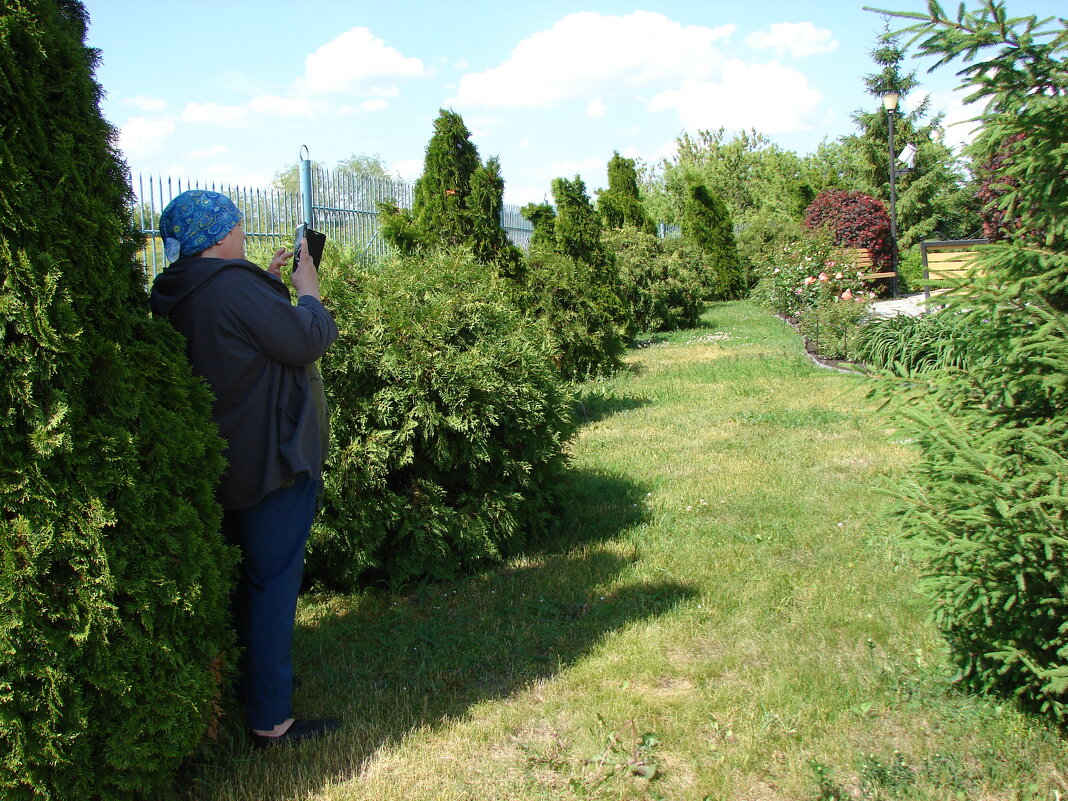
[(948, 259), (860, 259)]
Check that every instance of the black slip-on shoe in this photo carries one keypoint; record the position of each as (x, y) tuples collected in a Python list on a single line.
[(299, 730)]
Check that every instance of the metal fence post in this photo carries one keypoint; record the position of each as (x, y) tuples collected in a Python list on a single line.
[(306, 187)]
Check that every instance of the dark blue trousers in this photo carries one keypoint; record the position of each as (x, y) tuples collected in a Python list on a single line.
[(271, 537)]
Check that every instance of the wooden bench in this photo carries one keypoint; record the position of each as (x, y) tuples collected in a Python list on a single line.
[(949, 259), (860, 260)]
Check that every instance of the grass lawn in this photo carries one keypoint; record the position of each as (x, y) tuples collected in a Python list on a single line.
[(724, 614)]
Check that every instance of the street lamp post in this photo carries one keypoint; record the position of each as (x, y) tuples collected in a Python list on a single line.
[(890, 104)]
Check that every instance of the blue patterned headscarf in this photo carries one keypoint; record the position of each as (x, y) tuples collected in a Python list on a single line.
[(196, 220)]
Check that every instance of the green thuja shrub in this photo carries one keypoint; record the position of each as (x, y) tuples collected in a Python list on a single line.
[(571, 285), (448, 422), (543, 217), (620, 204), (706, 225), (661, 279), (578, 315), (986, 503), (457, 201), (114, 582)]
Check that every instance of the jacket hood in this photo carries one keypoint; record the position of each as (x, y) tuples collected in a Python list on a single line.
[(185, 276)]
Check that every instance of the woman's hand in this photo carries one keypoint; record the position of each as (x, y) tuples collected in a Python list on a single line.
[(305, 277), (281, 256)]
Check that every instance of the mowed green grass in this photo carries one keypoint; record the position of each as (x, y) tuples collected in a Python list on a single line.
[(724, 613)]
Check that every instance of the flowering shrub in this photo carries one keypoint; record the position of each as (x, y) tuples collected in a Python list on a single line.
[(805, 274), (855, 220)]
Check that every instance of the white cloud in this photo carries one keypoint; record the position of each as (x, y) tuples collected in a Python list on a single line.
[(229, 174), (588, 54), (524, 143), (356, 61), (462, 65), (799, 39), (207, 153), (596, 108), (768, 97), (525, 194), (408, 169), (276, 106), (593, 171), (215, 114), (375, 104), (958, 121), (146, 103), (144, 136)]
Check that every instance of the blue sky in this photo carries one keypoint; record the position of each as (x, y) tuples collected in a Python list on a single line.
[(229, 90)]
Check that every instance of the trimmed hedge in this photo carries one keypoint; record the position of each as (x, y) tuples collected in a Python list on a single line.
[(114, 582), (448, 418)]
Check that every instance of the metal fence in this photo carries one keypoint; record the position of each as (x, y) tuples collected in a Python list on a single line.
[(345, 207)]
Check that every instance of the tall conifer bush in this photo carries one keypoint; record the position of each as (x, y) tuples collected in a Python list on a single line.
[(620, 204), (114, 582), (543, 217), (457, 201), (706, 224), (987, 502), (578, 229)]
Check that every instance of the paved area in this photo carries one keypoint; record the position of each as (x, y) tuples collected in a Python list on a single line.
[(913, 305)]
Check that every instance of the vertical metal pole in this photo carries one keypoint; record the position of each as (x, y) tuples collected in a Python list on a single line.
[(893, 204), (306, 186)]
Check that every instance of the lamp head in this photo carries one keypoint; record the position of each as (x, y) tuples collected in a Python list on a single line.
[(890, 101)]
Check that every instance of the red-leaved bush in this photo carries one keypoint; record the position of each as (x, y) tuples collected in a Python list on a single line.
[(856, 220), (995, 182)]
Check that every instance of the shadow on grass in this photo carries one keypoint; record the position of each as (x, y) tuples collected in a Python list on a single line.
[(388, 665), (594, 404)]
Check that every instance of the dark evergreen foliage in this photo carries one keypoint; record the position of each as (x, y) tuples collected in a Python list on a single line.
[(577, 299), (580, 317), (706, 225), (986, 503), (620, 205), (488, 239), (114, 579), (577, 227), (448, 419)]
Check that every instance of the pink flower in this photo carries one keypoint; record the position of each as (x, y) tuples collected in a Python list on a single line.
[(838, 276), (847, 295), (828, 264), (809, 279), (824, 277)]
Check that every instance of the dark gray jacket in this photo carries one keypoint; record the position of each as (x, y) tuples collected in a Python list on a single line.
[(252, 345)]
